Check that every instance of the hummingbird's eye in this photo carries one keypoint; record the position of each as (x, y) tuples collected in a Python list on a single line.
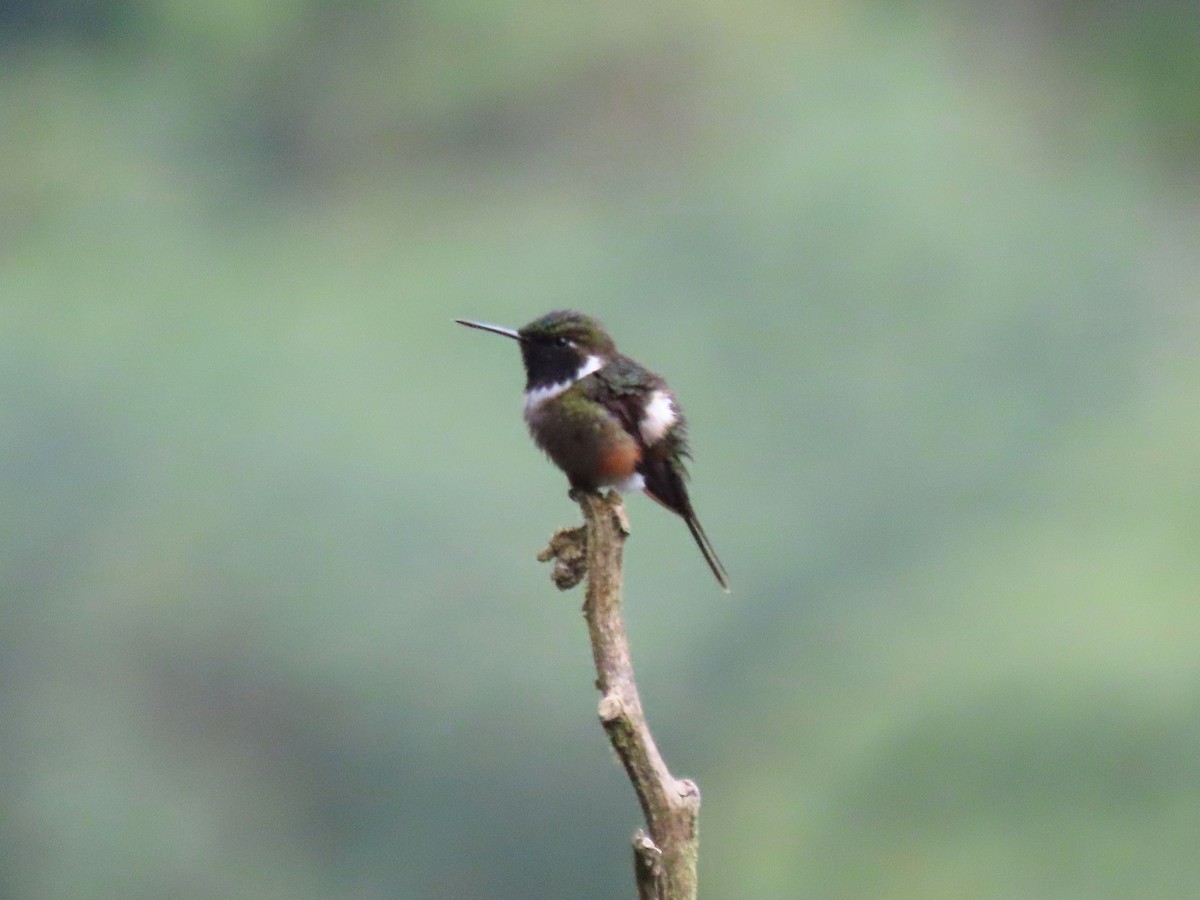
[(561, 341)]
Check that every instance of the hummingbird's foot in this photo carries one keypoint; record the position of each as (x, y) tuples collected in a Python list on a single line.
[(568, 549), (577, 493)]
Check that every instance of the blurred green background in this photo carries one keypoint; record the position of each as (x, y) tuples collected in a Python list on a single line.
[(925, 277)]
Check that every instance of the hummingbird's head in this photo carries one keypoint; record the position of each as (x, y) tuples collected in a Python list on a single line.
[(558, 346)]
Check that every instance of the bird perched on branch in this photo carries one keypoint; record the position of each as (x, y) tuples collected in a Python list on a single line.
[(602, 418)]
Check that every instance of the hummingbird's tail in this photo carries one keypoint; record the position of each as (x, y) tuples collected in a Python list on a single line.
[(710, 555), (663, 476)]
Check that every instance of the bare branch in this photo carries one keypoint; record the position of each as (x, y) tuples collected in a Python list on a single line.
[(665, 853)]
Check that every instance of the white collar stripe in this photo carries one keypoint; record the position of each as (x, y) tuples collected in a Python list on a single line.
[(535, 397)]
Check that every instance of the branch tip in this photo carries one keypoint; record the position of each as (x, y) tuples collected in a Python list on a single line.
[(688, 789), (611, 707), (647, 866), (568, 549)]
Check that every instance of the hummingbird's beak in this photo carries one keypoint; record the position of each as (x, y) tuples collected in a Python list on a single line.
[(495, 329)]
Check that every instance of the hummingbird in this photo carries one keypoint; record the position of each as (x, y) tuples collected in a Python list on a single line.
[(603, 419)]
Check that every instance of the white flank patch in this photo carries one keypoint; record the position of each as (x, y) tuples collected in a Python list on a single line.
[(658, 417), (631, 485), (535, 397)]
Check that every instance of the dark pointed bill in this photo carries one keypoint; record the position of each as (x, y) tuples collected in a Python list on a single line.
[(495, 329)]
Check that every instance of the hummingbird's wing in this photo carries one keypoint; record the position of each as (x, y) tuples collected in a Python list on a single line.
[(623, 388)]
